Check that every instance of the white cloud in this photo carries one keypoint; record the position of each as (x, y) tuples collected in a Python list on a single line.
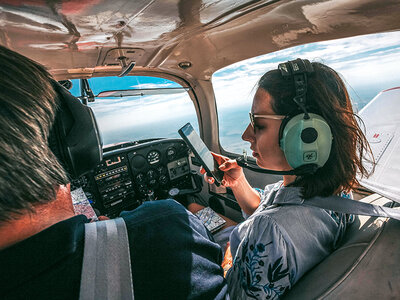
[(141, 111), (370, 61), (153, 85)]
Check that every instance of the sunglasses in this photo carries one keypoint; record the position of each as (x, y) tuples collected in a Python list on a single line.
[(272, 117)]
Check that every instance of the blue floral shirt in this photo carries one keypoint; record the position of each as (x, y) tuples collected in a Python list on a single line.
[(276, 245)]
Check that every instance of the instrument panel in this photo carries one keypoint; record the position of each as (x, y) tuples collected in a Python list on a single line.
[(127, 177)]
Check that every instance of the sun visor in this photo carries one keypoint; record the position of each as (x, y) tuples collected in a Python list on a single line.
[(382, 119)]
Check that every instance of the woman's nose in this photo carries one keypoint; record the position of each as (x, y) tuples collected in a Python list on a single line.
[(248, 134)]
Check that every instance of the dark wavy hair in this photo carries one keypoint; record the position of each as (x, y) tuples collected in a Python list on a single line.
[(30, 174), (328, 97)]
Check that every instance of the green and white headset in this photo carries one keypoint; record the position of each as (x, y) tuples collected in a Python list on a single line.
[(305, 138)]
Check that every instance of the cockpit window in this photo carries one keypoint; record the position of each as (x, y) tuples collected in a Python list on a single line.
[(368, 64), (135, 108)]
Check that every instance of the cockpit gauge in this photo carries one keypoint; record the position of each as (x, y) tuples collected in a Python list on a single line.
[(80, 182), (163, 180), (140, 177), (162, 170), (151, 174), (153, 157), (171, 152)]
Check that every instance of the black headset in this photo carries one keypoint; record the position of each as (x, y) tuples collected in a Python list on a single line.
[(74, 138)]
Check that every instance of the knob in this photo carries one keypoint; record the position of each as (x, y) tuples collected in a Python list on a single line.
[(151, 174), (163, 179), (150, 195), (173, 192), (140, 177)]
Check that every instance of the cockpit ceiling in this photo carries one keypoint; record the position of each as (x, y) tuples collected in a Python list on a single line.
[(75, 37)]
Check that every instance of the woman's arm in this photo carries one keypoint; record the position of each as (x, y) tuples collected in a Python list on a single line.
[(247, 198)]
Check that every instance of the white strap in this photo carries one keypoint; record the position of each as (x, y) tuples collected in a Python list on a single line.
[(106, 268)]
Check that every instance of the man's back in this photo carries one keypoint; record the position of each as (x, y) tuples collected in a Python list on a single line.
[(171, 255)]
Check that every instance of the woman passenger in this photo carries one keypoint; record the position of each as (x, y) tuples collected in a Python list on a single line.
[(277, 244)]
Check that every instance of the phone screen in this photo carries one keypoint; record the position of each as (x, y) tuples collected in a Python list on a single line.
[(201, 151)]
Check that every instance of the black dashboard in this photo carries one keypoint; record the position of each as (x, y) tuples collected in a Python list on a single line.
[(132, 173)]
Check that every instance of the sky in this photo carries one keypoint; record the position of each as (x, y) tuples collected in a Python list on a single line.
[(368, 65)]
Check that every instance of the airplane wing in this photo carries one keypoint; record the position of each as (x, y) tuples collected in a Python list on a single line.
[(382, 119)]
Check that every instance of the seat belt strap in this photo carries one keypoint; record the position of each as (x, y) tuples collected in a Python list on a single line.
[(106, 269), (347, 206)]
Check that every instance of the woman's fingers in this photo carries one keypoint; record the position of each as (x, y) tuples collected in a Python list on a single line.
[(202, 171), (220, 159), (211, 180), (208, 179), (224, 164), (228, 165)]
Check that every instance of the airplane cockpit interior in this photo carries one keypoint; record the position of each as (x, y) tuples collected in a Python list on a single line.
[(138, 163), (148, 67)]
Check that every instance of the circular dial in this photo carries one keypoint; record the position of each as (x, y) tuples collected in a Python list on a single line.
[(153, 157), (171, 152), (138, 161)]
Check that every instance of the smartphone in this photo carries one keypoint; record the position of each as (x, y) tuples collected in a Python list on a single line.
[(201, 152)]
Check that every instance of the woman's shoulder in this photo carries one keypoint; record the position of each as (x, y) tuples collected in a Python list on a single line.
[(291, 217), (295, 220), (273, 186), (294, 217)]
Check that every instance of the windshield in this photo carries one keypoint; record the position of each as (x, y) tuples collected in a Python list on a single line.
[(368, 64), (135, 108)]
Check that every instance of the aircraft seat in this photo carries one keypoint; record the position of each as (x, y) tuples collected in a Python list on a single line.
[(363, 267)]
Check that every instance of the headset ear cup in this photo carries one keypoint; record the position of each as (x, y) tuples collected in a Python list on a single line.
[(306, 141), (54, 143), (74, 138), (281, 140), (57, 137)]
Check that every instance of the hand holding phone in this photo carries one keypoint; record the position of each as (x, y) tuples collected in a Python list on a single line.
[(201, 152), (233, 173)]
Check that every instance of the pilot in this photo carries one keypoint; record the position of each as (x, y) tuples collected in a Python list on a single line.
[(41, 238), (301, 124)]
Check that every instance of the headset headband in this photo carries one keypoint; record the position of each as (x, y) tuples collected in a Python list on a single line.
[(298, 70)]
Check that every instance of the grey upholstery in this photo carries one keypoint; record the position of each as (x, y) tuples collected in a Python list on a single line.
[(366, 266)]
